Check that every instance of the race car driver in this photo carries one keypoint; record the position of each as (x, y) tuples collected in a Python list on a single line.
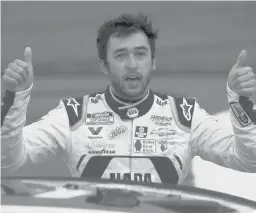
[(128, 131)]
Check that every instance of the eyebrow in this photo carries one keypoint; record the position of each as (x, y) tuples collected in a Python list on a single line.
[(125, 49)]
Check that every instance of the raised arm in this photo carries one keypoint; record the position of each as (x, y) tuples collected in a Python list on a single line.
[(215, 141), (22, 144)]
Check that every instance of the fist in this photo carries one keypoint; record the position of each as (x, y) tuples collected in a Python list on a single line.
[(241, 78), (19, 75)]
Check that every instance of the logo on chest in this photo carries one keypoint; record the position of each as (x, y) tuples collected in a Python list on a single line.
[(144, 146), (163, 132), (100, 118), (165, 144), (101, 148), (141, 131), (95, 131), (132, 112), (161, 120), (117, 132)]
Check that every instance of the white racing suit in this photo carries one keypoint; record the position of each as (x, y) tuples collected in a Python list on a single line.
[(153, 140)]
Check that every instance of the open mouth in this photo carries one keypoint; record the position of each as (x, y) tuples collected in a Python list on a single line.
[(133, 78)]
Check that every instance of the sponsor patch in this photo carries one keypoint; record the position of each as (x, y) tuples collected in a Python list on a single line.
[(165, 144), (144, 146), (161, 102), (142, 177), (100, 118), (163, 147), (161, 120), (132, 112), (186, 109), (141, 131), (163, 132), (118, 131), (96, 99), (169, 142), (100, 145), (95, 131), (240, 114), (101, 148), (102, 152)]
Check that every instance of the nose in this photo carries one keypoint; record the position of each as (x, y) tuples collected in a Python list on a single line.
[(131, 62)]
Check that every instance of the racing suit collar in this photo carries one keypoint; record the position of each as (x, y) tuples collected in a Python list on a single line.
[(129, 110)]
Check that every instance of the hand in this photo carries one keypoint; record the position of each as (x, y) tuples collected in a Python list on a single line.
[(241, 78), (19, 75)]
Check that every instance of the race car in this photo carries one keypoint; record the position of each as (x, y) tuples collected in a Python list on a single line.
[(75, 195)]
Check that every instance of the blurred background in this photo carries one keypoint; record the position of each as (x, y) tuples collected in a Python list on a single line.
[(198, 44)]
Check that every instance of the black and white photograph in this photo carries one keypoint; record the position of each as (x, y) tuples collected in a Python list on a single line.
[(128, 106)]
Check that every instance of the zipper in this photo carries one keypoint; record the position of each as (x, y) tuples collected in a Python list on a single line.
[(131, 147)]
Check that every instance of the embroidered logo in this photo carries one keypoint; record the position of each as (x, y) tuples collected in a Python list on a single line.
[(73, 103), (186, 109)]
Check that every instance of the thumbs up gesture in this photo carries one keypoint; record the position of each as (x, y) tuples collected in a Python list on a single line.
[(241, 78), (19, 75)]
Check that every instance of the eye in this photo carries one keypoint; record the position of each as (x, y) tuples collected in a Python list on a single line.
[(120, 55), (141, 53)]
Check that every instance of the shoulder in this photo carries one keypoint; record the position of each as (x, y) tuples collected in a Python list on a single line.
[(76, 107), (182, 107)]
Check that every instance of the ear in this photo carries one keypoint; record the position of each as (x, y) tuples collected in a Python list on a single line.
[(103, 66), (154, 63)]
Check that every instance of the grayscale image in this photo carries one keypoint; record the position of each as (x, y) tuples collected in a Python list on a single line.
[(128, 106)]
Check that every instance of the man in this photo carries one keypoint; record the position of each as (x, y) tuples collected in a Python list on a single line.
[(128, 131)]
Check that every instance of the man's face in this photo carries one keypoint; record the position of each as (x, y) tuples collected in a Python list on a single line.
[(129, 65)]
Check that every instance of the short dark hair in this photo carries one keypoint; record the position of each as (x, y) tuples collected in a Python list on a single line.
[(125, 25)]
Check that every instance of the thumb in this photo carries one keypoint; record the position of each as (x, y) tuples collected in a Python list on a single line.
[(28, 55), (242, 59)]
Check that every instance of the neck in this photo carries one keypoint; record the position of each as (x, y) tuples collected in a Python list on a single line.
[(128, 100)]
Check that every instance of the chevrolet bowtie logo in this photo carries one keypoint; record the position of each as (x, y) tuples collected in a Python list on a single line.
[(72, 102), (186, 108)]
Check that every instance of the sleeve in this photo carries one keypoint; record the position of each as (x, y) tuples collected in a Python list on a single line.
[(34, 143), (228, 146)]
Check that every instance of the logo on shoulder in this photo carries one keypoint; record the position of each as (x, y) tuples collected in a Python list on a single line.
[(96, 99), (186, 109), (74, 104), (161, 102)]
